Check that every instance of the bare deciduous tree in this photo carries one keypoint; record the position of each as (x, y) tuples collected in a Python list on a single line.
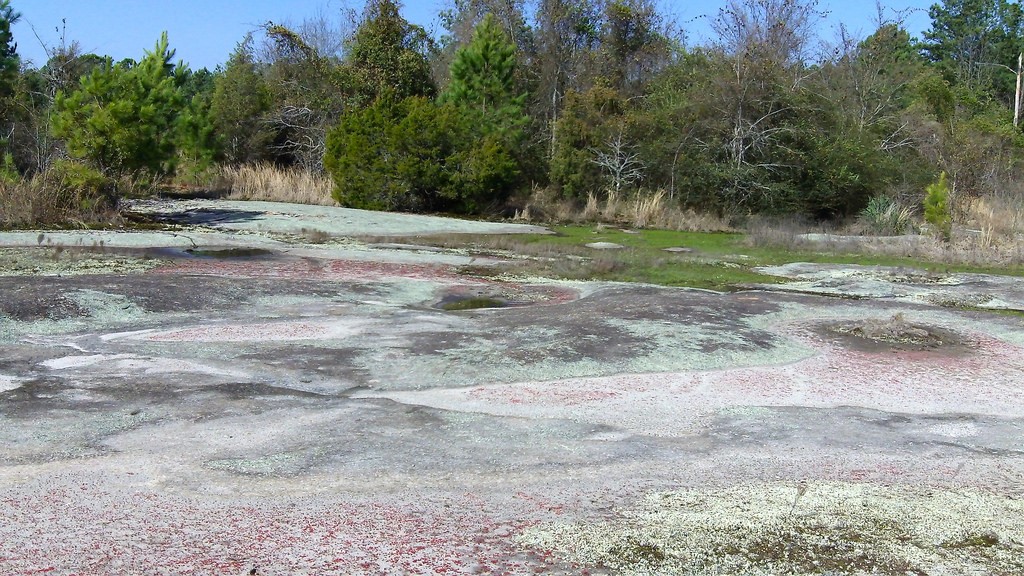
[(778, 31), (620, 161), (307, 86)]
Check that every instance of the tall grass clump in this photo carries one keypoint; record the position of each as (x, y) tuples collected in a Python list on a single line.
[(787, 233), (273, 184), (997, 219), (884, 216), (643, 209)]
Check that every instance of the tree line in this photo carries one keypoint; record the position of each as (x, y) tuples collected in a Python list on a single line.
[(572, 97)]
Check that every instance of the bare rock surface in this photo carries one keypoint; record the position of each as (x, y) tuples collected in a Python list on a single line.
[(901, 284), (604, 246), (287, 218), (310, 409)]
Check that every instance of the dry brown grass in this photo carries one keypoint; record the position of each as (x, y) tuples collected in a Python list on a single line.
[(592, 210), (995, 220), (644, 210), (990, 232), (612, 208), (787, 233), (968, 247), (648, 208), (273, 184), (544, 205)]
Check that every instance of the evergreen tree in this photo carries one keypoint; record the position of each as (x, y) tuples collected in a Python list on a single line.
[(9, 68), (123, 120), (9, 61), (238, 105), (461, 19), (197, 142), (483, 84), (483, 73), (461, 153), (388, 55), (396, 156), (969, 39), (589, 120)]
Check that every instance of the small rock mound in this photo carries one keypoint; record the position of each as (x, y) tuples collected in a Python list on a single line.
[(896, 332)]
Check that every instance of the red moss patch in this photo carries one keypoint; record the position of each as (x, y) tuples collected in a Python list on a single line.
[(86, 530)]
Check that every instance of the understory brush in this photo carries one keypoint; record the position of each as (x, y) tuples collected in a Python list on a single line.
[(885, 216), (981, 247), (68, 194), (643, 209), (776, 233), (996, 220)]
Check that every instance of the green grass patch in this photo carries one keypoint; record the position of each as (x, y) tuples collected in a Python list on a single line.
[(716, 261)]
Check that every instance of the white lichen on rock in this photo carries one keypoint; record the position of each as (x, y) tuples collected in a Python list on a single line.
[(833, 528), (73, 261)]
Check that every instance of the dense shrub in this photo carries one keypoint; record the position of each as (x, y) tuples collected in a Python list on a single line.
[(68, 193), (417, 155)]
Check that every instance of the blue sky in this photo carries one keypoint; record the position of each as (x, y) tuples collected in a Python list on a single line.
[(205, 31)]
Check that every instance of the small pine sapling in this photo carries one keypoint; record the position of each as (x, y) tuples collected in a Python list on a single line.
[(936, 207)]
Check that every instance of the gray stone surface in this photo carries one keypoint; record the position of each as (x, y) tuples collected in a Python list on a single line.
[(308, 411)]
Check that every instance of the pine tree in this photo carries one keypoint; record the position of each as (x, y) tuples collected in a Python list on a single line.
[(483, 73), (9, 61), (388, 55), (238, 107), (936, 207), (487, 165), (968, 36), (123, 120)]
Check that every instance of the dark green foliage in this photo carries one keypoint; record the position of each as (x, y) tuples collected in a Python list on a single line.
[(388, 55), (587, 121), (416, 155), (482, 173), (837, 174), (197, 140), (9, 60), (197, 144), (8, 170), (931, 92), (9, 80), (238, 105), (357, 159), (969, 39), (459, 154), (483, 73), (483, 88), (388, 155), (586, 96)]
